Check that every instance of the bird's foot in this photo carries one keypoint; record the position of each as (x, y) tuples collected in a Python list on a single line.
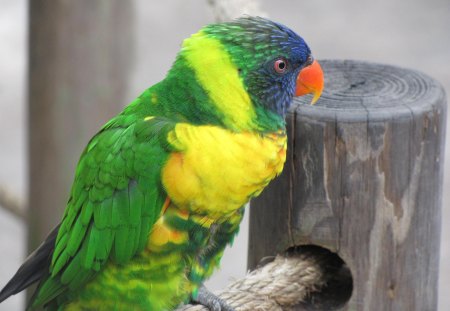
[(211, 301)]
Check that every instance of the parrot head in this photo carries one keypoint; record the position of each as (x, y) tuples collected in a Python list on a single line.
[(252, 67), (270, 57)]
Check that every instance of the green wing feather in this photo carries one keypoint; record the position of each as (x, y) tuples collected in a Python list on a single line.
[(115, 199)]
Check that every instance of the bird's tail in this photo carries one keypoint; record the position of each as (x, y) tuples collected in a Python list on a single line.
[(33, 269)]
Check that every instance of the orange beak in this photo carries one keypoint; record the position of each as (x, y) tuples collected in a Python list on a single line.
[(310, 81)]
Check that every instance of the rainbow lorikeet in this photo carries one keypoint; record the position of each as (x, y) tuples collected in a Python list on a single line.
[(159, 191)]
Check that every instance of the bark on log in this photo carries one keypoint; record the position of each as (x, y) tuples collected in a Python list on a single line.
[(363, 179)]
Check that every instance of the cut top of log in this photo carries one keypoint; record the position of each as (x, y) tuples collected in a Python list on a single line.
[(357, 91)]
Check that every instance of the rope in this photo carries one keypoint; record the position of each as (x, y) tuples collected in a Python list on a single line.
[(277, 286)]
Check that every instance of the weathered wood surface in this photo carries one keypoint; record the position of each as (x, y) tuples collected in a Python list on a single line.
[(364, 179), (79, 57)]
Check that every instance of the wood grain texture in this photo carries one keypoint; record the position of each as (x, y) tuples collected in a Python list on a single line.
[(79, 58), (363, 179)]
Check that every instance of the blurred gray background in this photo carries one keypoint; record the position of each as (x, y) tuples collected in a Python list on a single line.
[(408, 33)]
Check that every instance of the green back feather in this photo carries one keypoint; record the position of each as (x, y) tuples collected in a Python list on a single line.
[(115, 199)]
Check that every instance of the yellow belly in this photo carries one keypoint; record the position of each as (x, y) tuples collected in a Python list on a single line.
[(216, 171)]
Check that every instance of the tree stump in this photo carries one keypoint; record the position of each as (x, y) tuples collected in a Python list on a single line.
[(363, 178)]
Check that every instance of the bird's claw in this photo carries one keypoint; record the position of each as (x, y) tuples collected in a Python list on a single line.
[(211, 301)]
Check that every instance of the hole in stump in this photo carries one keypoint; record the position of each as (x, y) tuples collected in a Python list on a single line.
[(337, 278)]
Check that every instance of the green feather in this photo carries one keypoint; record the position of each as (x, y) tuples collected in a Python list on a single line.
[(86, 213), (91, 246), (76, 236), (102, 214), (107, 238), (72, 269), (136, 199), (80, 278), (60, 246)]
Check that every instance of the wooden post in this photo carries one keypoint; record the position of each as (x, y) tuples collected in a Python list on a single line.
[(363, 179), (79, 54)]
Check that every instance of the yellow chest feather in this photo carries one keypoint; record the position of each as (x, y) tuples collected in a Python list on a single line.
[(216, 170)]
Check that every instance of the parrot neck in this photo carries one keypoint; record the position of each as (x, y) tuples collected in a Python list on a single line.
[(197, 97)]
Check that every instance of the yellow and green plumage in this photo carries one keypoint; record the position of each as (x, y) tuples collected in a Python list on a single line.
[(159, 191)]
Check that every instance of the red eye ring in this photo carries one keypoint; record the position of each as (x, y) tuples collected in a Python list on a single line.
[(280, 65)]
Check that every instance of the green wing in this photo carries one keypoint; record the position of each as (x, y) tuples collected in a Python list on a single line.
[(115, 199)]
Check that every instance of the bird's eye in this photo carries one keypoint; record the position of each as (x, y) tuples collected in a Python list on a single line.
[(280, 65)]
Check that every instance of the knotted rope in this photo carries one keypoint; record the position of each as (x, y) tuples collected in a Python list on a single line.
[(277, 286)]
